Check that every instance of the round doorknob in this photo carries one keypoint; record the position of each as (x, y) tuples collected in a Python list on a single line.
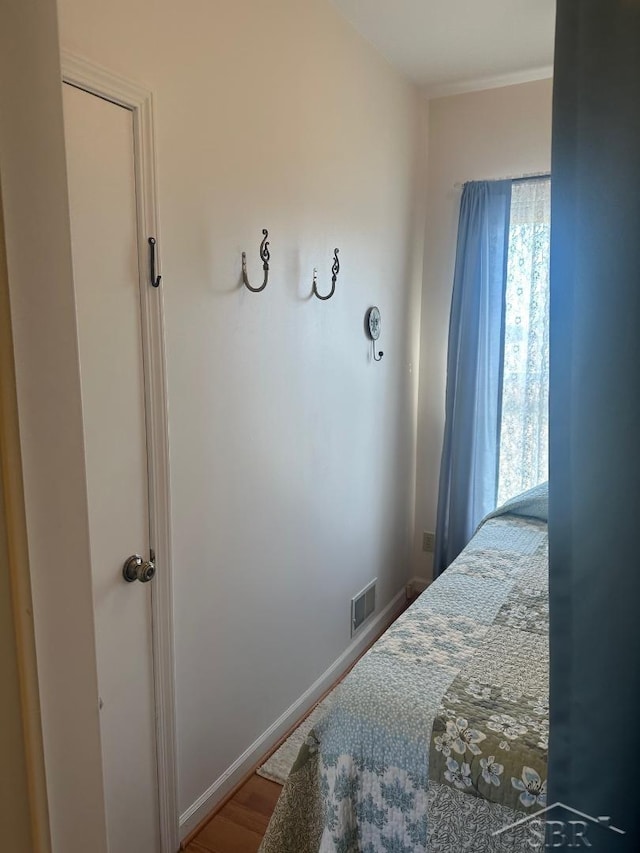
[(137, 569)]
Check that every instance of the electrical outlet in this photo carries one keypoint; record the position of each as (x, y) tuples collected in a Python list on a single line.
[(428, 541)]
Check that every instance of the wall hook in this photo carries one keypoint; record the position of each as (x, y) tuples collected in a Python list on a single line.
[(335, 269), (373, 324), (155, 279), (264, 257)]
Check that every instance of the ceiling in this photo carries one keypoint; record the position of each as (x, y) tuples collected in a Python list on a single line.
[(449, 46)]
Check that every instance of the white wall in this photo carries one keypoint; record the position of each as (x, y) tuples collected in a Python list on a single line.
[(293, 454), (489, 134)]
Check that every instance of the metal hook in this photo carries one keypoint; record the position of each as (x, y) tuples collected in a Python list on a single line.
[(264, 257), (372, 327), (335, 269), (155, 280)]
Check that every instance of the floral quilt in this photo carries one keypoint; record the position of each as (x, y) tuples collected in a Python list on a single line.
[(437, 739)]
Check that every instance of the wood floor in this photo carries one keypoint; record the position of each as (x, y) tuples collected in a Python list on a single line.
[(240, 825)]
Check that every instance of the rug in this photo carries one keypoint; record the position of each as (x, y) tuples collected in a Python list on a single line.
[(278, 766)]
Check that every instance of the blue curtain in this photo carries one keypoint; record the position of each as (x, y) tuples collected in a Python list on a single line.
[(469, 467), (594, 483)]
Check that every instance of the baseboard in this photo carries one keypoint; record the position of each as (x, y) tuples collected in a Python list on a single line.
[(417, 585), (207, 801)]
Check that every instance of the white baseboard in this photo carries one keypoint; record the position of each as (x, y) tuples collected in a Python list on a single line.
[(417, 585), (207, 801)]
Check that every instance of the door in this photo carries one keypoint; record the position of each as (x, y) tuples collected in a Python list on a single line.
[(102, 193)]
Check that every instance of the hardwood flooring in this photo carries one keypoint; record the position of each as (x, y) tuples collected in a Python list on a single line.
[(240, 825)]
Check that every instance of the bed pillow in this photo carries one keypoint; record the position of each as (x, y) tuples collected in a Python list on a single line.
[(534, 503)]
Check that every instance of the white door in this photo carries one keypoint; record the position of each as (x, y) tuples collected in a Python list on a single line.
[(102, 192)]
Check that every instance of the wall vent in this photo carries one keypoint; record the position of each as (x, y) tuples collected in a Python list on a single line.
[(363, 606)]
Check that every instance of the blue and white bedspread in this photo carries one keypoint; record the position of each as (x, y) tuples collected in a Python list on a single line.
[(437, 739)]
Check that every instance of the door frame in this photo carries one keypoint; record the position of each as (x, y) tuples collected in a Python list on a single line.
[(14, 520), (99, 81)]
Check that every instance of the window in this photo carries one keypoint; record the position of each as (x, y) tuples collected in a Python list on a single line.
[(524, 443)]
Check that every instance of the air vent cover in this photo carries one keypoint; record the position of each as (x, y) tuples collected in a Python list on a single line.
[(363, 606)]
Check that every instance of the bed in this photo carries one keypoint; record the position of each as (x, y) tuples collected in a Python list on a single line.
[(437, 739)]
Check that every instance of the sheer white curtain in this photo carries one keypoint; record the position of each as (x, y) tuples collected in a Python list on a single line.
[(524, 428)]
